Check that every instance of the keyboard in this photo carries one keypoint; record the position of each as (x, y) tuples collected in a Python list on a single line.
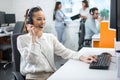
[(103, 62)]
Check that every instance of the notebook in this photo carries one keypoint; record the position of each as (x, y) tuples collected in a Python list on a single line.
[(77, 16)]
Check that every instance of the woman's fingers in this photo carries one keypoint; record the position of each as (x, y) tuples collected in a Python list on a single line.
[(92, 58)]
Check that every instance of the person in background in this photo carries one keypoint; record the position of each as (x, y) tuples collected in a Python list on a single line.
[(84, 14), (37, 49), (59, 17), (84, 11), (90, 24)]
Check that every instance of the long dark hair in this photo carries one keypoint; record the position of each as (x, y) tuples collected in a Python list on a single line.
[(86, 3), (28, 17), (55, 9)]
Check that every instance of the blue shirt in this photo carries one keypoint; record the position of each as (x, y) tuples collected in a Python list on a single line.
[(90, 28), (59, 18)]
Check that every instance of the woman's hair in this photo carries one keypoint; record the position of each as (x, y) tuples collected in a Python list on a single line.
[(55, 9), (86, 3), (28, 16)]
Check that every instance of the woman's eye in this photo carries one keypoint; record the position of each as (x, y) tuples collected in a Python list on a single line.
[(40, 19)]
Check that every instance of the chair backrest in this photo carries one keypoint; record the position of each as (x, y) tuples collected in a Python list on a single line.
[(18, 27), (15, 52), (81, 33)]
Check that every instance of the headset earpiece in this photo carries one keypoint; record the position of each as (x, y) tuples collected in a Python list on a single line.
[(91, 12), (29, 19)]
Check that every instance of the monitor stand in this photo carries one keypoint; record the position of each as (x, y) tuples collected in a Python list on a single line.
[(117, 50), (117, 46)]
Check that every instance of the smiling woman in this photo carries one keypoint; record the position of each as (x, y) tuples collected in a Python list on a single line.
[(37, 48)]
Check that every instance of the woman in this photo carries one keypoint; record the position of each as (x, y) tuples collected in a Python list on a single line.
[(84, 11), (59, 16), (37, 49), (84, 14)]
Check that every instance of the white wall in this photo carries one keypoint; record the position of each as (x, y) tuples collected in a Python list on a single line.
[(6, 5)]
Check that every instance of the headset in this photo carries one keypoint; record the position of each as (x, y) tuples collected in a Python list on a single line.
[(29, 17), (92, 10), (30, 14)]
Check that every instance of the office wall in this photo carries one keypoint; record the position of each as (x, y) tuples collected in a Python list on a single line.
[(6, 5)]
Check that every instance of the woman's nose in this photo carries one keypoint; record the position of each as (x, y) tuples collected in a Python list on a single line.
[(43, 21)]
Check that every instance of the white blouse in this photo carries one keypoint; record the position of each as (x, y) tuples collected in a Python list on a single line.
[(85, 12), (39, 56)]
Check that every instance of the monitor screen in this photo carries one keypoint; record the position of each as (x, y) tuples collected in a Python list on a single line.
[(118, 13), (10, 18), (113, 14), (115, 17), (2, 17), (118, 20)]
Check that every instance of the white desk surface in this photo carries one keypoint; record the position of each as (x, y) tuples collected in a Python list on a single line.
[(5, 34), (77, 70), (96, 37)]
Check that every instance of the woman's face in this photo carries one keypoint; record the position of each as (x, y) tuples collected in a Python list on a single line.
[(83, 4), (39, 20), (59, 6)]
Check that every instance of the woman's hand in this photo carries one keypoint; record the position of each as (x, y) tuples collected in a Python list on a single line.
[(84, 17), (31, 30), (100, 19), (89, 59), (29, 26)]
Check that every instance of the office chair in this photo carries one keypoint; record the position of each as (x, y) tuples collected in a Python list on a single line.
[(18, 27), (82, 41), (6, 48), (16, 58)]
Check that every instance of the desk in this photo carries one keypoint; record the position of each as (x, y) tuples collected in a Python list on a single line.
[(95, 40), (77, 70), (5, 34), (2, 39)]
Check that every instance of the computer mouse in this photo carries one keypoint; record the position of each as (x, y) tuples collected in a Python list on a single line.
[(106, 53), (2, 32)]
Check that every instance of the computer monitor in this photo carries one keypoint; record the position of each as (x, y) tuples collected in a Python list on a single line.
[(115, 17), (118, 21), (10, 18), (113, 14), (2, 18)]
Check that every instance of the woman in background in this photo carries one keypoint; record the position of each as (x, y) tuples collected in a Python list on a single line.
[(84, 11), (37, 48), (84, 14), (59, 17)]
